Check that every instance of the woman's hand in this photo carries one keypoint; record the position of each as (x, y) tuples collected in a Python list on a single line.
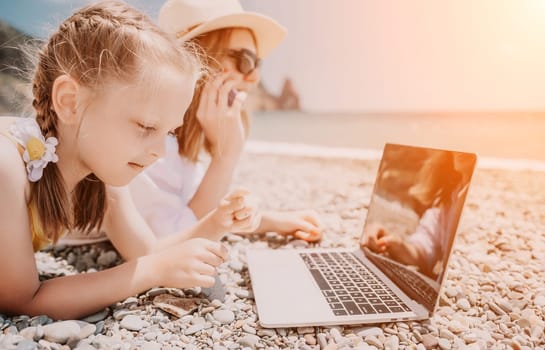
[(301, 224), (236, 213), (221, 123), (191, 263)]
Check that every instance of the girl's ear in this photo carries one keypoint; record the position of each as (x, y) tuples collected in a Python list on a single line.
[(64, 96)]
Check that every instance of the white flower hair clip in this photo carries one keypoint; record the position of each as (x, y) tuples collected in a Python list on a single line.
[(38, 150)]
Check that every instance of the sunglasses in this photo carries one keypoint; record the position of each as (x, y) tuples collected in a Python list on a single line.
[(246, 60)]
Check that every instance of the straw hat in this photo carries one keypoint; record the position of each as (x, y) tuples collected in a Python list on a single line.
[(190, 18)]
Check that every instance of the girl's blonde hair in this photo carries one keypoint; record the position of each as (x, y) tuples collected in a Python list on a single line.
[(101, 43), (191, 140)]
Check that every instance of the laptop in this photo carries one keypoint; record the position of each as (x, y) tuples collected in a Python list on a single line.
[(395, 270)]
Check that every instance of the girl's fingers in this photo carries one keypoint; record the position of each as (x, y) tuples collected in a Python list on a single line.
[(206, 269), (211, 259), (219, 250), (205, 280)]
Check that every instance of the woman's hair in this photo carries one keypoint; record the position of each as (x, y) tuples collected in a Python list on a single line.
[(102, 43), (438, 177), (190, 135)]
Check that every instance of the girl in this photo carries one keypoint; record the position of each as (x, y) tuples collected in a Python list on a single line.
[(108, 87), (175, 192)]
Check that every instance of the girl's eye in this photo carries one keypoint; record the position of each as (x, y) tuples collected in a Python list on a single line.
[(172, 133), (146, 128)]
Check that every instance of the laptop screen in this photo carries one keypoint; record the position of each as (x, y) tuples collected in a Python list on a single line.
[(413, 216)]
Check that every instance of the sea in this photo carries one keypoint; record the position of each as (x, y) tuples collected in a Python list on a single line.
[(502, 140)]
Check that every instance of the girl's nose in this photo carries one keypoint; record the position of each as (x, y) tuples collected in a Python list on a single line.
[(158, 149)]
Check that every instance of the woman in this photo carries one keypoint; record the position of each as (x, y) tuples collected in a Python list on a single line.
[(179, 189)]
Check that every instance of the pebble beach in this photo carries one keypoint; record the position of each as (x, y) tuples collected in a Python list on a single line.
[(493, 297)]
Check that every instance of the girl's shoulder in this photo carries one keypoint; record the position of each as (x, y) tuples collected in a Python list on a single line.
[(12, 167)]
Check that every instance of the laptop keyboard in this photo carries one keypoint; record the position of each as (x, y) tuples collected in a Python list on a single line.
[(411, 280), (349, 287)]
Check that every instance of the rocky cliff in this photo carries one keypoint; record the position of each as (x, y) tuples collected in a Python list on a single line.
[(13, 89), (262, 100)]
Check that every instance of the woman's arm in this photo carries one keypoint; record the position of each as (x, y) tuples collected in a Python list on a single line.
[(125, 227), (214, 184), (133, 238), (223, 128)]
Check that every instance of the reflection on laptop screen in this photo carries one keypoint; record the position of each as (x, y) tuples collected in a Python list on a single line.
[(413, 216)]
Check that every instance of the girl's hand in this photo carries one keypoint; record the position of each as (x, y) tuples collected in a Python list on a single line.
[(372, 236), (236, 213), (301, 224), (191, 263), (221, 123), (380, 240)]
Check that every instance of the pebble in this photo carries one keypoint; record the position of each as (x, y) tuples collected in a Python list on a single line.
[(86, 330), (372, 340), (249, 329), (444, 344), (133, 323), (194, 329), (429, 341), (243, 294), (504, 305), (374, 331), (463, 304), (445, 333), (236, 265), (28, 333), (305, 330), (224, 316), (310, 339), (539, 301), (249, 340), (99, 316), (494, 307), (26, 344), (107, 259), (39, 320), (392, 343), (266, 332), (322, 340), (60, 332), (493, 297), (150, 346), (198, 320)]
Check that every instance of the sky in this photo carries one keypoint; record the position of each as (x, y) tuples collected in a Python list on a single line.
[(383, 55)]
